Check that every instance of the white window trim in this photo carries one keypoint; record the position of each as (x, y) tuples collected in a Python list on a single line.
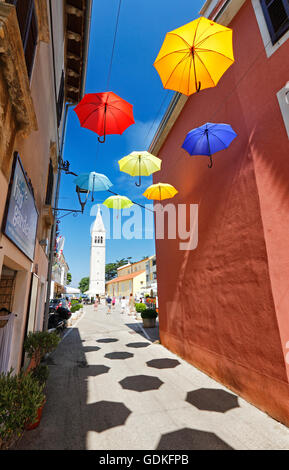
[(284, 106), (269, 47)]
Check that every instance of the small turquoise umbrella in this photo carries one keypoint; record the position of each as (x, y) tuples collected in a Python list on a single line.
[(93, 181)]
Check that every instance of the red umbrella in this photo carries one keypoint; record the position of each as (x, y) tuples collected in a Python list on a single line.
[(104, 113)]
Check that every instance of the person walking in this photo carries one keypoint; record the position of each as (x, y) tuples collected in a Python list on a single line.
[(108, 301), (113, 302), (123, 304), (131, 304), (96, 304)]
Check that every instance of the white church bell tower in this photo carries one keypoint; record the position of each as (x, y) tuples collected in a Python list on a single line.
[(97, 257)]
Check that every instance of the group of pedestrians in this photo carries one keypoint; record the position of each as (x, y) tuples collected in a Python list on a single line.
[(127, 305)]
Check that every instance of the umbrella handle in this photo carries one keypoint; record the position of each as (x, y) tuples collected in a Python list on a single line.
[(104, 126), (199, 87), (209, 147), (139, 183)]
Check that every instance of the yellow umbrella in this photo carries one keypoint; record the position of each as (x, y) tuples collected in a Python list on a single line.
[(118, 202), (140, 164), (160, 191), (195, 56)]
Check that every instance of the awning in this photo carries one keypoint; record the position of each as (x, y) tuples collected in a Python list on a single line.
[(71, 290)]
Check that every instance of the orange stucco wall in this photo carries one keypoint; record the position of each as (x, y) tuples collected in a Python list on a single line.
[(225, 305)]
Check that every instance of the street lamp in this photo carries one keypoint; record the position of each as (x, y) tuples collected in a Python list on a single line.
[(79, 192)]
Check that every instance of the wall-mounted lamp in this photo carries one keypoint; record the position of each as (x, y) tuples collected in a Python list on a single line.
[(79, 192)]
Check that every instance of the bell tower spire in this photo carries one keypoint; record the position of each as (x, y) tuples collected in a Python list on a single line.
[(97, 257)]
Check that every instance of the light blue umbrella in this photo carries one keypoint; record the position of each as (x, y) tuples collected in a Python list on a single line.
[(93, 181)]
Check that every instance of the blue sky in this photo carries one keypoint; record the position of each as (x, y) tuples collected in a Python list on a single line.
[(141, 31)]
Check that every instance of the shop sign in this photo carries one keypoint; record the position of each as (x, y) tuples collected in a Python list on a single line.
[(21, 217)]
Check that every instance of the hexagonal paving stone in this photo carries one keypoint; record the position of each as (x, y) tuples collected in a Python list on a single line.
[(212, 399), (141, 383)]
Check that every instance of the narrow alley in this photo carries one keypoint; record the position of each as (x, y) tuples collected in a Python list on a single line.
[(111, 388)]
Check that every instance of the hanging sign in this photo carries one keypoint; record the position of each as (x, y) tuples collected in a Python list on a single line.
[(20, 223)]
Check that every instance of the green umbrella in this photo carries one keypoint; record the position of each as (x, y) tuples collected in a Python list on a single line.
[(118, 202)]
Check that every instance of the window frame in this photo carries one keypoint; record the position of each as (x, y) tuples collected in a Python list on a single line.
[(275, 36), (29, 23)]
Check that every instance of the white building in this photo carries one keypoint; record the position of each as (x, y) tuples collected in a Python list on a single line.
[(151, 274), (97, 257)]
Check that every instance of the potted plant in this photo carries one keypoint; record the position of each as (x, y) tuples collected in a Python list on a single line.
[(20, 397), (139, 307), (40, 374), (38, 344), (149, 316)]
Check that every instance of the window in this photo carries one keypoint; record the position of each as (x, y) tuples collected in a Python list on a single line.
[(60, 100), (276, 13), (50, 182), (27, 21)]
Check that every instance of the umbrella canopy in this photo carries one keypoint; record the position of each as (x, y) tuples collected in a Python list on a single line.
[(93, 181), (118, 202), (140, 164), (195, 56), (160, 191), (208, 139), (104, 113)]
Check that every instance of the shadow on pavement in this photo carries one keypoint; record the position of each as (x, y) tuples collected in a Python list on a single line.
[(107, 340), (119, 355), (138, 345), (191, 439), (141, 383), (67, 418), (164, 363), (152, 333), (104, 415), (212, 399)]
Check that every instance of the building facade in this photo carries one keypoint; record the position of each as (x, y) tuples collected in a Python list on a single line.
[(43, 49), (224, 305), (131, 279), (151, 275), (60, 269)]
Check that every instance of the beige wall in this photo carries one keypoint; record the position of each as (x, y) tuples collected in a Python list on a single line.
[(34, 149), (130, 286)]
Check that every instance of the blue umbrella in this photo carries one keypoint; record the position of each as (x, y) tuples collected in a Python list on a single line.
[(93, 182), (209, 139)]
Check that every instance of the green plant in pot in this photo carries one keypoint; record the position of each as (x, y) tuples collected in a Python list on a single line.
[(140, 307), (20, 398), (38, 344), (149, 316), (40, 373)]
